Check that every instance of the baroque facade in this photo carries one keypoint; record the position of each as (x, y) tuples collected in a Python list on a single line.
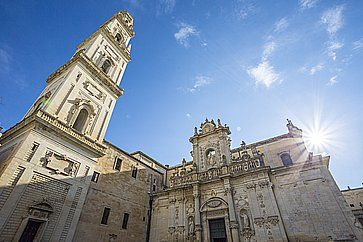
[(61, 181)]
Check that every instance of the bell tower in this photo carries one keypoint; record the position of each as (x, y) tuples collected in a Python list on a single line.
[(211, 145), (48, 159), (82, 93)]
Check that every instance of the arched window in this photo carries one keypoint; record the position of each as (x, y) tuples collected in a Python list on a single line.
[(81, 120), (106, 66), (119, 38), (286, 159)]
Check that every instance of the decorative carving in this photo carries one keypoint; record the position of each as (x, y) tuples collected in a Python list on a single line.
[(267, 221), (248, 233), (93, 90), (214, 203), (211, 157), (251, 185), (191, 226), (260, 199), (235, 168), (59, 164), (263, 184), (213, 193)]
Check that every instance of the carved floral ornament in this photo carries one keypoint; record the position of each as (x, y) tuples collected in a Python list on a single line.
[(267, 221)]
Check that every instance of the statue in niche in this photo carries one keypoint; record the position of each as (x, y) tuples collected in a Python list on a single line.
[(245, 220), (191, 225), (211, 154)]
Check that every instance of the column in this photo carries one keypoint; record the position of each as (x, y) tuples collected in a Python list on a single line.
[(231, 211), (198, 227)]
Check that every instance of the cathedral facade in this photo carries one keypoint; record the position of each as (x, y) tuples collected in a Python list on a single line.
[(61, 181)]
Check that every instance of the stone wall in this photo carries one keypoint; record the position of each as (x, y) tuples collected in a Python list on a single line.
[(121, 193)]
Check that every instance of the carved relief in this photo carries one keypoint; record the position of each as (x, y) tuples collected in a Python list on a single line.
[(59, 164), (260, 200), (214, 203), (94, 91), (267, 221), (191, 226)]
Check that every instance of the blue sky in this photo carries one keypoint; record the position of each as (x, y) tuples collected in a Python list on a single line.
[(251, 63)]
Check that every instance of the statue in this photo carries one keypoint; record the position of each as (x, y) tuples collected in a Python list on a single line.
[(245, 221), (211, 157), (191, 225)]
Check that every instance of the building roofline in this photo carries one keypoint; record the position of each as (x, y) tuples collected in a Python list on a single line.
[(147, 156), (352, 189), (130, 156), (266, 141)]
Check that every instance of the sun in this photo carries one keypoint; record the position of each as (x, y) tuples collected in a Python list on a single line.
[(318, 138)]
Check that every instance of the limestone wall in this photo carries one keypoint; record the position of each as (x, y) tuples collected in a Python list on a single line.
[(122, 193)]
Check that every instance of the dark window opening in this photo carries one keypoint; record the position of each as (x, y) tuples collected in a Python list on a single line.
[(352, 205), (154, 188), (106, 66), (134, 172), (95, 176), (119, 38), (106, 213), (125, 220), (286, 159), (117, 165), (30, 231), (81, 120), (143, 219)]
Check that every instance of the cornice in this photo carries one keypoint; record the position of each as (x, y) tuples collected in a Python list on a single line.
[(263, 142), (95, 70), (121, 48), (49, 121)]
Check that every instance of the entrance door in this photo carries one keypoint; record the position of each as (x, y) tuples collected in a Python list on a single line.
[(217, 230), (30, 231)]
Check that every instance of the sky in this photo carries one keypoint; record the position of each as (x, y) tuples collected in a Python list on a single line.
[(253, 64)]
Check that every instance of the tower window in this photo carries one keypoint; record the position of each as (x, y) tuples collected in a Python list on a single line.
[(106, 66), (134, 172), (117, 165), (106, 213), (119, 38), (95, 176), (81, 120), (286, 159), (125, 220)]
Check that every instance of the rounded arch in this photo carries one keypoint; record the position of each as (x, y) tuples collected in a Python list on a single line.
[(214, 203), (119, 38), (106, 65), (81, 120)]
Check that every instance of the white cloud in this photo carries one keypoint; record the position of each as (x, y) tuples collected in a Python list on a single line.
[(243, 8), (332, 47), (305, 4), (5, 59), (333, 19), (238, 129), (268, 49), (332, 80), (188, 115), (357, 45), (184, 33), (200, 81), (281, 25), (166, 6), (264, 74), (316, 68)]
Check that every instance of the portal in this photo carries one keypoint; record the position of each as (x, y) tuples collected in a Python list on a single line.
[(217, 230), (30, 231)]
